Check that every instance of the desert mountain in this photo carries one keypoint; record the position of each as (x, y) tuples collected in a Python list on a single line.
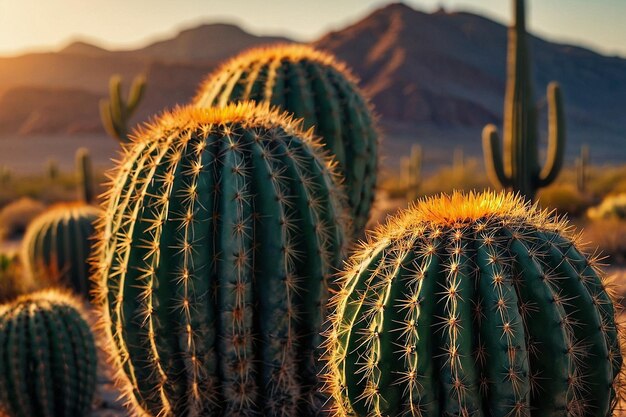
[(434, 77)]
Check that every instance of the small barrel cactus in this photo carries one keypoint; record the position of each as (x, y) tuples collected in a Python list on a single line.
[(221, 231), (473, 305), (57, 246), (47, 357), (312, 85)]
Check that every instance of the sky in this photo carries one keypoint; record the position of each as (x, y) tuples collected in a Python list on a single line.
[(37, 25)]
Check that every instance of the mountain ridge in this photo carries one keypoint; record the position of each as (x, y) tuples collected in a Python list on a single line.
[(430, 75)]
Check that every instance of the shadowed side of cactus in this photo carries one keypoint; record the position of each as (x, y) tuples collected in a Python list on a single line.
[(222, 229), (518, 167), (115, 113), (48, 357), (57, 246), (84, 171), (314, 86), (473, 305)]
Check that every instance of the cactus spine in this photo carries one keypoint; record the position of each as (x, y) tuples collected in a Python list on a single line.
[(411, 167), (314, 86), (115, 113), (520, 170), (56, 246), (221, 231), (473, 305), (84, 171), (582, 164), (48, 366)]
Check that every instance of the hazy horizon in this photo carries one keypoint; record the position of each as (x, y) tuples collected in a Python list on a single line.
[(580, 22)]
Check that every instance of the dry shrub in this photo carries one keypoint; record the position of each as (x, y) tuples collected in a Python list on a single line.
[(609, 236), (565, 199), (15, 217)]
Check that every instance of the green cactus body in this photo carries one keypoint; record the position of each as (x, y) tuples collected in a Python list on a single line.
[(52, 169), (84, 171), (47, 357), (57, 246), (221, 231), (115, 113), (473, 305), (521, 170), (313, 86)]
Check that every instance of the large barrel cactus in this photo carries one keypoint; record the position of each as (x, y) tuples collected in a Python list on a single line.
[(57, 246), (314, 86), (473, 305), (221, 231), (47, 357)]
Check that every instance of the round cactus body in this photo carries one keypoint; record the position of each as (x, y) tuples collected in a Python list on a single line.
[(57, 246), (221, 231), (312, 85), (473, 305), (47, 357)]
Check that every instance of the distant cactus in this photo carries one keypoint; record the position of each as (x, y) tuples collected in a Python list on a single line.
[(473, 305), (52, 169), (582, 165), (411, 167), (84, 172), (57, 246), (223, 228), (5, 174), (116, 113), (520, 170), (48, 366), (314, 86)]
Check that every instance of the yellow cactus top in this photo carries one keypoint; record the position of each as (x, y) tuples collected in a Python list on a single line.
[(464, 208), (291, 52), (44, 297)]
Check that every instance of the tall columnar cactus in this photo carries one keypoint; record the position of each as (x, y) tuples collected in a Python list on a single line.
[(57, 246), (520, 170), (582, 165), (116, 112), (48, 366), (412, 171), (314, 86), (52, 169), (222, 229), (84, 172), (473, 305)]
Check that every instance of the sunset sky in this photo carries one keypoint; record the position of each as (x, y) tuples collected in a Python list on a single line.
[(35, 25)]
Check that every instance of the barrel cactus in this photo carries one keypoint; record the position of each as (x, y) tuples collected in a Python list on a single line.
[(473, 305), (312, 85), (57, 246), (221, 231), (48, 357)]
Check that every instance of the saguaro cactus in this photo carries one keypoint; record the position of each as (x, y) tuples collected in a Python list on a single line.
[(115, 112), (221, 231), (84, 172), (520, 170), (412, 171), (48, 366), (582, 163), (473, 305), (314, 86), (57, 246)]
